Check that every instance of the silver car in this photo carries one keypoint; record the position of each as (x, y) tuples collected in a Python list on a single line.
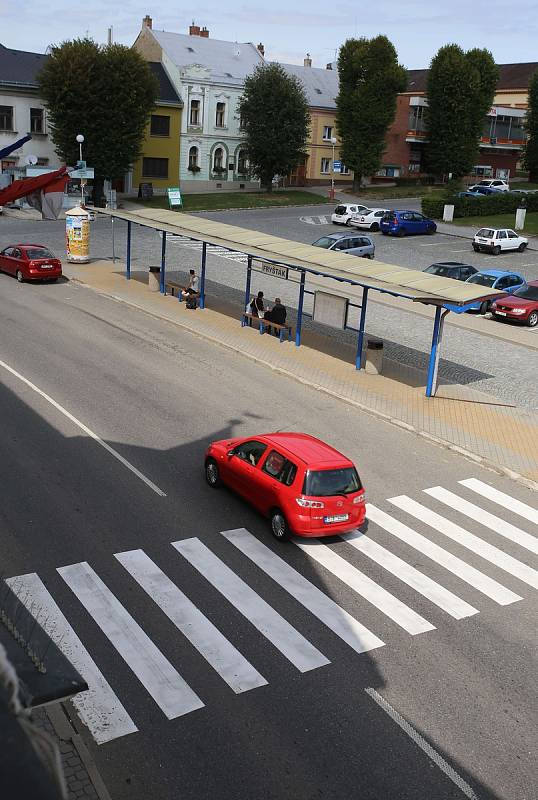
[(354, 243)]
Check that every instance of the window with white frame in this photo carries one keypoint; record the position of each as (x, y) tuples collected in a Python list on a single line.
[(327, 133), (325, 166), (194, 115), (220, 115), (6, 118), (193, 157)]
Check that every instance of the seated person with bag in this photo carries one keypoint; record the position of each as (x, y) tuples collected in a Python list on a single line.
[(257, 307)]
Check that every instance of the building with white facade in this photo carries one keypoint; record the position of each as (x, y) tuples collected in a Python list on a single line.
[(208, 75), (23, 112)]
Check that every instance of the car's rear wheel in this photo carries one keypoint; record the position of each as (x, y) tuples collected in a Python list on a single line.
[(522, 246), (532, 320), (374, 226), (496, 250), (19, 276), (484, 307), (212, 474), (279, 525)]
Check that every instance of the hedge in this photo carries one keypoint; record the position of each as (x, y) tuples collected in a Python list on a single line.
[(487, 205)]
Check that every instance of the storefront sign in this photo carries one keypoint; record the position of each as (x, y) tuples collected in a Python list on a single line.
[(174, 197)]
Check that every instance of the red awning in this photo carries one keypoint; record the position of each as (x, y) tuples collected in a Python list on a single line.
[(49, 182)]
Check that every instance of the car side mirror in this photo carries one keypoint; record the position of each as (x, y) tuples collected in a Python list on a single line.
[(230, 453)]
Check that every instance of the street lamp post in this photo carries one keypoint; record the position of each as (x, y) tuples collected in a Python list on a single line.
[(333, 142), (80, 139)]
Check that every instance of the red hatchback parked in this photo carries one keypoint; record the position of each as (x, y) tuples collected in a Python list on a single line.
[(521, 306), (303, 485), (30, 262)]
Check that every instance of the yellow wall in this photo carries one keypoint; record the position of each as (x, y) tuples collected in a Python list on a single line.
[(517, 99), (161, 147), (317, 148)]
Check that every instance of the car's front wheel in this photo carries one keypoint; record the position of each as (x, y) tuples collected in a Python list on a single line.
[(484, 307), (522, 246), (431, 231), (279, 525), (476, 248), (19, 276), (212, 474), (532, 320)]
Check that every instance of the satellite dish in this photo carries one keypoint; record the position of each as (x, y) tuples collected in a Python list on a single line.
[(31, 159)]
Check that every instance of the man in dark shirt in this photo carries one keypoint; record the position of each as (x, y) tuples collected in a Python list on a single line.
[(277, 314)]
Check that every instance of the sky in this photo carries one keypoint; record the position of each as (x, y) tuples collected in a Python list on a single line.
[(416, 28)]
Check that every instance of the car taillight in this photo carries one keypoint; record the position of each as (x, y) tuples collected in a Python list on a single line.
[(359, 499), (309, 503), (395, 221)]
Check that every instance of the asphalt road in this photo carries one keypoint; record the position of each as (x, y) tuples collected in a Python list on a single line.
[(445, 709)]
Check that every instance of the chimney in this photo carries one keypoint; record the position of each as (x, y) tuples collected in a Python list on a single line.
[(194, 30), (307, 61), (261, 49), (147, 22), (329, 65), (204, 33)]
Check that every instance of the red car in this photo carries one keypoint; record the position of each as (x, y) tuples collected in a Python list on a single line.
[(30, 262), (522, 305), (303, 485)]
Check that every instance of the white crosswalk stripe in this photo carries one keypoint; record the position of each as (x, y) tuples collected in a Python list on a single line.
[(98, 708), (449, 602), (238, 673), (457, 566), (502, 499), (490, 521), (401, 614), (171, 693), (212, 249), (332, 615), (474, 543), (315, 219), (285, 638)]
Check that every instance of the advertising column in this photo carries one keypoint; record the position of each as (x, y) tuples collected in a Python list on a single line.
[(77, 235)]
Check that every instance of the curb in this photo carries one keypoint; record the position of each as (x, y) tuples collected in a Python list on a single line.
[(484, 462)]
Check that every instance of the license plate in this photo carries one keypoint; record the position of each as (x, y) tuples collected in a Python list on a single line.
[(336, 518), (47, 266), (501, 313)]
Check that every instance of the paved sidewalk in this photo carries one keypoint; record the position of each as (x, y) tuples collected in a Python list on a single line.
[(488, 430)]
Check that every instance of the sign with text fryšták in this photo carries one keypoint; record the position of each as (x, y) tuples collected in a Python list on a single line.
[(275, 270)]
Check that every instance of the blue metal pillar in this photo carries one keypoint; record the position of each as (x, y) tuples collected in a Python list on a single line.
[(163, 262), (202, 275), (431, 386), (362, 323), (300, 310), (128, 260), (244, 320)]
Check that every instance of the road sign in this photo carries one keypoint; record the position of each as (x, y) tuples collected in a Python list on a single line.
[(82, 173), (81, 165), (174, 197), (337, 166)]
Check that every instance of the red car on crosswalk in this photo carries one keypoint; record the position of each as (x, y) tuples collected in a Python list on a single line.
[(30, 262), (304, 486)]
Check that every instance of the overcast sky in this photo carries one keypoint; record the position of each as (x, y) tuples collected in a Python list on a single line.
[(290, 30)]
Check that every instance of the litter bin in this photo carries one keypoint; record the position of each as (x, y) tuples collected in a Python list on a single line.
[(374, 356), (154, 279)]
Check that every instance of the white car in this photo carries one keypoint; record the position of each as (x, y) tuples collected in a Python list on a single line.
[(343, 213), (369, 219), (493, 240), (494, 183)]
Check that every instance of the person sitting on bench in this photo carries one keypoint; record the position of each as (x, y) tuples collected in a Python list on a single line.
[(276, 314), (191, 289), (257, 307)]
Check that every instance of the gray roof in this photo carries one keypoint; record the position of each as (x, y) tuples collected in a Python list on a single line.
[(321, 85), (167, 93), (229, 62), (19, 68)]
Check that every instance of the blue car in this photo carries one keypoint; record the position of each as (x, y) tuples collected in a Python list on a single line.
[(403, 223), (470, 194), (495, 279)]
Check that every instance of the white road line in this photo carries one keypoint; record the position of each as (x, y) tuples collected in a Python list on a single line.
[(486, 519), (356, 635), (469, 540), (234, 668), (449, 602), (466, 250), (461, 569), (84, 428), (401, 614), (419, 740), (502, 499), (280, 633), (98, 708), (433, 244), (171, 693)]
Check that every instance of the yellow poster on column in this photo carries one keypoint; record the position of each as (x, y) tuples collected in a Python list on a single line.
[(77, 235)]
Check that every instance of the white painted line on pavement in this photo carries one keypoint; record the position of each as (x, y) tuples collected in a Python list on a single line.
[(491, 521), (465, 250), (280, 633), (457, 566), (401, 614), (234, 668), (449, 602), (98, 708), (433, 244), (356, 635), (419, 740), (84, 428), (171, 693), (502, 499), (469, 540)]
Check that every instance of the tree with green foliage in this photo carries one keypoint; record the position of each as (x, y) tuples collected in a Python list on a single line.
[(106, 94), (275, 118), (530, 158), (461, 87), (370, 81)]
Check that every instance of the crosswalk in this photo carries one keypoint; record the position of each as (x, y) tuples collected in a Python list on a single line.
[(317, 219), (212, 249), (407, 524)]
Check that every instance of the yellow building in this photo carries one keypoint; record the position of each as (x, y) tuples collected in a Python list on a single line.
[(159, 160)]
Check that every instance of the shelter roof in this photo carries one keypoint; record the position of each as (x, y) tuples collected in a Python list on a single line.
[(409, 283)]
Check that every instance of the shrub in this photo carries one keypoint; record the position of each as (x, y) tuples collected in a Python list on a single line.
[(485, 206)]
